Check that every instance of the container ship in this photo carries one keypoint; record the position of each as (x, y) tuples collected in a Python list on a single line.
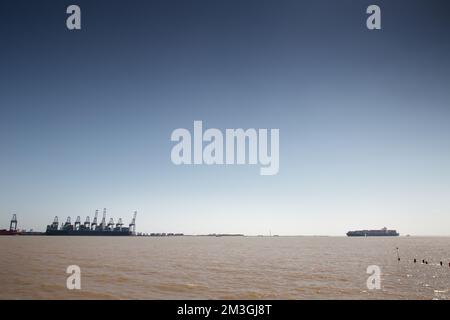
[(373, 233), (92, 229)]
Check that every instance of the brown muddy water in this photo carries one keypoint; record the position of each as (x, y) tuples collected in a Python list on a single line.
[(34, 267)]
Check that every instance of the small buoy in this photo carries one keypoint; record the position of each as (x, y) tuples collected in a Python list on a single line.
[(415, 260), (441, 263), (423, 261), (426, 262)]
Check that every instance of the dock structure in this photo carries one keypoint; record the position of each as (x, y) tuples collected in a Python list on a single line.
[(12, 231), (92, 229)]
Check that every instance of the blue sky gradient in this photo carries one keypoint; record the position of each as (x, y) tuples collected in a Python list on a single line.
[(86, 116)]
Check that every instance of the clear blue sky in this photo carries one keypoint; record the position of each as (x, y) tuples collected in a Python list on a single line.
[(86, 116)]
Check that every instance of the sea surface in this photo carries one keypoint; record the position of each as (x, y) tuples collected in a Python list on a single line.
[(34, 267)]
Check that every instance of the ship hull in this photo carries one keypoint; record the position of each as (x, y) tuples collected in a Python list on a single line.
[(373, 233), (9, 233)]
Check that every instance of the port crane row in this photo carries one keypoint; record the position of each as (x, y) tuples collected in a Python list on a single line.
[(79, 228), (93, 227)]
